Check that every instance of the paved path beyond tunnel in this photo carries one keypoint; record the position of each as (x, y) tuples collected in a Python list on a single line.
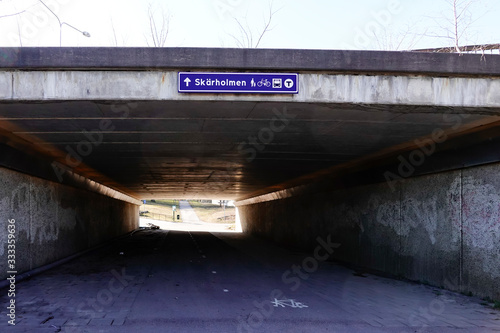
[(171, 281), (188, 213)]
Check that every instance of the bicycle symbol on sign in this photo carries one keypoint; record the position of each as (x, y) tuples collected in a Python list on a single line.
[(288, 302), (264, 82)]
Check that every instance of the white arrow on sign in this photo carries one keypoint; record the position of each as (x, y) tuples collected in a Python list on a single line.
[(187, 80)]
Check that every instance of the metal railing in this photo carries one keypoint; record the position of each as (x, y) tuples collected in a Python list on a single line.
[(475, 49)]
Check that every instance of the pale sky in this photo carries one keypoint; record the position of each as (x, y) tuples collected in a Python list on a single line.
[(313, 24)]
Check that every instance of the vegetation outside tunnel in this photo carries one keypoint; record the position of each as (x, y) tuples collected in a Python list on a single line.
[(213, 213), (161, 210), (205, 210)]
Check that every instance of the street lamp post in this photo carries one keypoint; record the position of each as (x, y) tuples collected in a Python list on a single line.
[(85, 33)]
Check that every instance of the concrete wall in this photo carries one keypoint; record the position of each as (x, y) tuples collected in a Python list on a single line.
[(54, 221), (443, 229), (150, 85)]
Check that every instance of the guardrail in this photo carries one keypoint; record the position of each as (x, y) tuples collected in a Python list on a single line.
[(160, 217), (474, 49)]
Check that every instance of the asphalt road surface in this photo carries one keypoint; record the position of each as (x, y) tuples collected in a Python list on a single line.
[(172, 281)]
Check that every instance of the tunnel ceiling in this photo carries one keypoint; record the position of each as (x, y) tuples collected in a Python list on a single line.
[(212, 149), (221, 149)]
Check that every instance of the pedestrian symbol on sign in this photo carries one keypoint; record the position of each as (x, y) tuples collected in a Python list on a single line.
[(289, 83)]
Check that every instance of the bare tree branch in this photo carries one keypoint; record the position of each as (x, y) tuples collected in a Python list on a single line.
[(9, 15), (245, 40), (397, 39), (158, 30), (455, 24), (267, 25), (461, 21), (114, 32), (246, 34), (19, 33), (117, 39)]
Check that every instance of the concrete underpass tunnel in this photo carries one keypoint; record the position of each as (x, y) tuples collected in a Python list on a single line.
[(390, 156)]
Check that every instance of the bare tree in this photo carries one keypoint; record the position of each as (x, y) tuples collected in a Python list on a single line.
[(61, 23), (19, 33), (456, 27), (158, 30), (115, 41), (397, 39), (460, 13), (18, 14), (246, 37)]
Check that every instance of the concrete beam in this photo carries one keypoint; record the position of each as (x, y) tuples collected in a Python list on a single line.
[(314, 88), (250, 59)]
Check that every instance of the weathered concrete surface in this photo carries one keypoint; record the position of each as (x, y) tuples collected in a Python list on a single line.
[(338, 61), (314, 88), (54, 221), (442, 229), (6, 85), (430, 229), (481, 228)]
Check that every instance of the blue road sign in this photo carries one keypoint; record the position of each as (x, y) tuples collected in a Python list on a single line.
[(238, 83)]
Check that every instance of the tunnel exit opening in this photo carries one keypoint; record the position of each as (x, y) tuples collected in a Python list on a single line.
[(190, 215)]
